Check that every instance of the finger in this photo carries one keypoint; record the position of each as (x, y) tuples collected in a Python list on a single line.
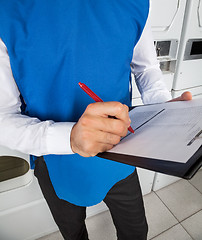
[(108, 138), (101, 148), (186, 96), (92, 149), (107, 125), (105, 147), (106, 109)]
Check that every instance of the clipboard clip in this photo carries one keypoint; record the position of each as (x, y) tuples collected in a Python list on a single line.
[(195, 138)]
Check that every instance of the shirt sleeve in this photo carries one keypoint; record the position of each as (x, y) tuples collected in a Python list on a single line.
[(147, 72), (23, 133)]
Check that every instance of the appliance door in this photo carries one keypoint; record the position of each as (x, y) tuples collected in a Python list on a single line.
[(188, 70), (163, 13), (14, 169)]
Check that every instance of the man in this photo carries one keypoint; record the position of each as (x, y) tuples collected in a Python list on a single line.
[(48, 47)]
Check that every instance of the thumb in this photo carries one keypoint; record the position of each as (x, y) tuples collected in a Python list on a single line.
[(186, 96)]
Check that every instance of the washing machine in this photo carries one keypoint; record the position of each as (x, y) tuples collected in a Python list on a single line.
[(166, 18), (188, 72), (14, 169), (24, 213)]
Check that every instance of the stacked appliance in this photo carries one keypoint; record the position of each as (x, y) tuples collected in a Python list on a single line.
[(188, 75), (188, 71), (166, 18)]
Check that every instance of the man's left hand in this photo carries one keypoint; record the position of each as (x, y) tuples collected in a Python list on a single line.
[(186, 96)]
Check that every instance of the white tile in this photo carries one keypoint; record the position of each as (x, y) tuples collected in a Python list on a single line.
[(101, 227), (175, 233), (193, 226), (159, 217), (197, 180), (181, 198), (54, 236)]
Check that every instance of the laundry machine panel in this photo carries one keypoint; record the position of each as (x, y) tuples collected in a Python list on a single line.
[(146, 178), (190, 75), (189, 61), (166, 17), (163, 13), (200, 14)]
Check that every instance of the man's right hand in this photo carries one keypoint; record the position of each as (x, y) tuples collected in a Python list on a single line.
[(95, 132)]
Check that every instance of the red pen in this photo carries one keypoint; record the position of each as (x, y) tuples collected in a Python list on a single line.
[(96, 98)]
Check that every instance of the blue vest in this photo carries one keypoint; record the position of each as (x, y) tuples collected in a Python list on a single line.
[(53, 45)]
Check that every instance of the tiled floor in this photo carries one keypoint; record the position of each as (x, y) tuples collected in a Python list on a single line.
[(173, 213)]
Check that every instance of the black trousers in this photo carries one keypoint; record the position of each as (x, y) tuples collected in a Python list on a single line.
[(124, 201)]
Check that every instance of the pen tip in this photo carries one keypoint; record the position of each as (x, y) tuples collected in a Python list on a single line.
[(131, 130)]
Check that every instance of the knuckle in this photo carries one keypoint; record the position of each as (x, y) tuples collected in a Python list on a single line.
[(85, 120), (125, 132), (126, 107), (93, 153), (91, 149), (90, 107), (113, 139), (108, 137), (116, 140), (119, 107), (121, 128), (115, 126), (107, 147)]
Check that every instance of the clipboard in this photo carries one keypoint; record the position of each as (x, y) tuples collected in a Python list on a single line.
[(182, 170), (173, 167)]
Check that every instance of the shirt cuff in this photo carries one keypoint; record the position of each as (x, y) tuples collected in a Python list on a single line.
[(58, 138)]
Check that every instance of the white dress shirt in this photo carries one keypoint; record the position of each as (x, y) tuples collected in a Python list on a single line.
[(32, 136)]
